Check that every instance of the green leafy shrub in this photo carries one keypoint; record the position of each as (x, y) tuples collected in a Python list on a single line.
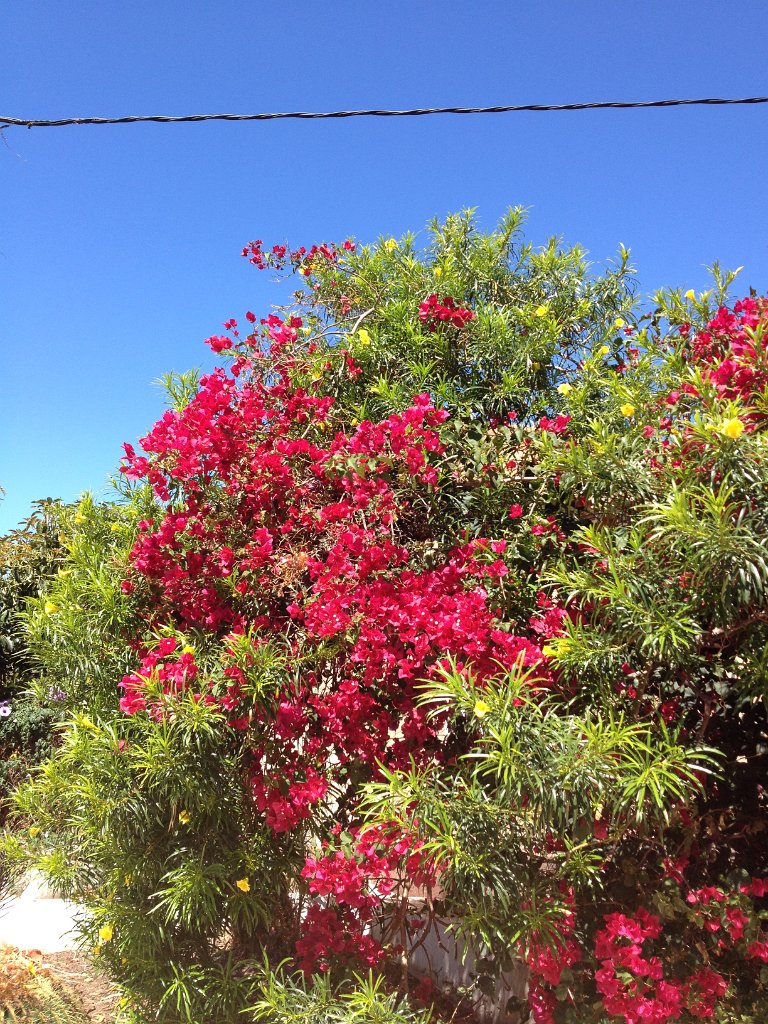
[(285, 999), (25, 739), (444, 607), (30, 557)]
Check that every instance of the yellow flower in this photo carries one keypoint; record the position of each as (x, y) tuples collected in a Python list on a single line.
[(604, 351), (184, 817), (105, 932), (690, 295), (128, 879), (564, 389), (79, 518), (31, 967), (363, 336), (536, 366), (732, 428), (243, 885), (34, 831), (306, 330), (541, 310), (390, 244), (50, 608), (627, 409), (115, 527), (438, 271), (618, 323), (97, 949), (481, 708)]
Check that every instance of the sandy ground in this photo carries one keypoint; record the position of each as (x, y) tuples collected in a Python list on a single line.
[(90, 990)]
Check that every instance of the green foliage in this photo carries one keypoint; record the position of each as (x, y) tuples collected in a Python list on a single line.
[(536, 311), (151, 829), (285, 999), (535, 770), (29, 557), (558, 790), (80, 628), (26, 739)]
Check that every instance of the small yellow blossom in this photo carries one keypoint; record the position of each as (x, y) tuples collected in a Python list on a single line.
[(564, 389), (690, 295), (618, 323), (34, 831), (31, 967), (541, 310), (306, 330), (438, 271), (363, 336), (536, 366), (96, 949), (627, 409), (115, 527), (556, 649), (390, 244), (79, 518), (105, 932), (732, 428), (604, 350), (128, 879), (243, 885), (50, 608), (184, 817), (481, 708)]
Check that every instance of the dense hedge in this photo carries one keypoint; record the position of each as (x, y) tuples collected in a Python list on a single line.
[(445, 600)]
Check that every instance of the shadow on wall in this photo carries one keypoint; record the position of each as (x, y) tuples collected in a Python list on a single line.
[(438, 955)]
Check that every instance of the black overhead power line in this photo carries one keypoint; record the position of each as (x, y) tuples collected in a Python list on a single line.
[(7, 122)]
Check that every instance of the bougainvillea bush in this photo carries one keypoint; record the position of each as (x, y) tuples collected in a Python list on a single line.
[(440, 603)]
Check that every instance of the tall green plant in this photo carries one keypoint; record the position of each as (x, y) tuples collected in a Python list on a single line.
[(448, 594)]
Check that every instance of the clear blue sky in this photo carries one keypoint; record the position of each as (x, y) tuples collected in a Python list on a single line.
[(119, 246)]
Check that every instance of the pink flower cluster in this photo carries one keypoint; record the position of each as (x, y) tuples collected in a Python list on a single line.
[(733, 350), (280, 256), (278, 526), (350, 887), (433, 312), (640, 971)]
